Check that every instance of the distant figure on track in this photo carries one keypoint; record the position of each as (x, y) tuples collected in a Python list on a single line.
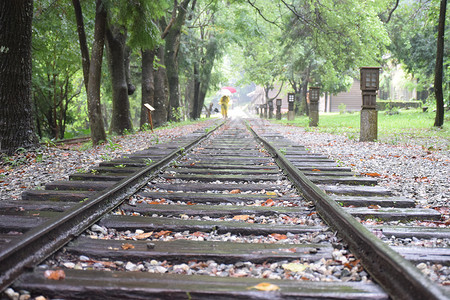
[(224, 105)]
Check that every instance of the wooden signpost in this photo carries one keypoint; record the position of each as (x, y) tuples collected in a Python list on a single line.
[(149, 111)]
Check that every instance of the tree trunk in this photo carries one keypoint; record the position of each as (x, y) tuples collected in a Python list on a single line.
[(148, 83), (171, 60), (95, 74), (130, 86), (195, 100), (82, 39), (189, 92), (16, 117), (206, 74), (438, 73), (304, 96), (120, 121), (161, 92)]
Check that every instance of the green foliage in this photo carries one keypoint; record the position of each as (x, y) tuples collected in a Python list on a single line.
[(56, 64), (139, 17), (342, 108), (112, 146), (413, 34)]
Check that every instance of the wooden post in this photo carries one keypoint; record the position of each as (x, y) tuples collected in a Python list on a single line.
[(149, 111), (291, 113), (370, 83)]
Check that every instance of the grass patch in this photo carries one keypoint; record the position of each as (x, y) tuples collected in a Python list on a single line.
[(410, 126)]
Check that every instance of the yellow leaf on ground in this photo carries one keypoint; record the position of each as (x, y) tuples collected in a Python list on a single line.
[(265, 286), (294, 267), (144, 235), (271, 193), (241, 217)]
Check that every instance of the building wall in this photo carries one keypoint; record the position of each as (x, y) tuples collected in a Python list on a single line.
[(352, 99)]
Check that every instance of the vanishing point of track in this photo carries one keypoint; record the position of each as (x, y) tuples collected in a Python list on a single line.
[(213, 182)]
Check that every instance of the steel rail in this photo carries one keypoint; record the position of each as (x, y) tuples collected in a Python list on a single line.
[(396, 275), (37, 244)]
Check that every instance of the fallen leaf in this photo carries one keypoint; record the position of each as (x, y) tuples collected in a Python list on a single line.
[(268, 202), (315, 170), (127, 246), (373, 206), (55, 275), (271, 193), (372, 174), (352, 264), (199, 234), (241, 217), (294, 267), (265, 286), (162, 233), (153, 202), (278, 236), (237, 191), (144, 235), (190, 203)]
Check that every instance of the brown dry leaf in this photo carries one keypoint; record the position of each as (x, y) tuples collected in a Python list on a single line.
[(373, 206), (153, 202), (144, 235), (241, 217), (55, 275), (352, 264), (372, 174), (198, 234), (268, 202), (315, 170), (271, 193), (278, 236), (127, 246), (236, 191), (190, 203), (265, 286), (162, 233)]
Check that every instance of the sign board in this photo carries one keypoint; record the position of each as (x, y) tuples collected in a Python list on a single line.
[(149, 107)]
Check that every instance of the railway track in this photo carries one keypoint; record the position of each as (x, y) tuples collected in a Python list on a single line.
[(156, 223)]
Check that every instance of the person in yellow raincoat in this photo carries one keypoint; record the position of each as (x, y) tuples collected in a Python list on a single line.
[(224, 101)]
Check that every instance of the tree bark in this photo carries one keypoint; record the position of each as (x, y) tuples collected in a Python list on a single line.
[(148, 83), (195, 100), (206, 75), (130, 86), (171, 59), (120, 121), (95, 74), (161, 91), (304, 96), (438, 73), (85, 61), (16, 117)]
